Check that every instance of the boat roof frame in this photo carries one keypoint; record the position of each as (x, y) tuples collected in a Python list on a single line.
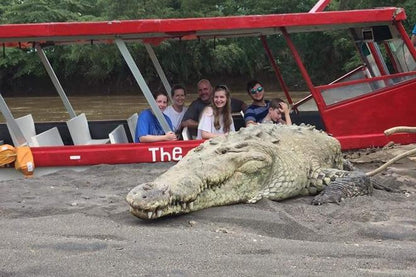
[(157, 30), (154, 31)]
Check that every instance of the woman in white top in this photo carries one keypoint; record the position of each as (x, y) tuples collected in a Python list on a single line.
[(216, 119), (177, 109)]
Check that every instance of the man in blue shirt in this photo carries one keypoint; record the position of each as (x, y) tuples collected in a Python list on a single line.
[(413, 38), (260, 107), (148, 128)]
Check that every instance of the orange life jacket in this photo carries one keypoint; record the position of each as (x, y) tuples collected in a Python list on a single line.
[(24, 161), (7, 154)]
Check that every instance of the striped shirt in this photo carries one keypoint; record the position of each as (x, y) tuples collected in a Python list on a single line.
[(256, 113)]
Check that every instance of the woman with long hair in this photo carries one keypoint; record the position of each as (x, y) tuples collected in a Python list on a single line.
[(216, 119)]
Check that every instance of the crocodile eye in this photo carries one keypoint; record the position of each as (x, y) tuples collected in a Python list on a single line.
[(222, 150)]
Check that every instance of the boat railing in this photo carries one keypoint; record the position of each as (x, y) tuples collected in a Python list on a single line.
[(358, 73), (339, 92)]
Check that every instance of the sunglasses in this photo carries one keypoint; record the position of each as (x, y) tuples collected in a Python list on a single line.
[(255, 91)]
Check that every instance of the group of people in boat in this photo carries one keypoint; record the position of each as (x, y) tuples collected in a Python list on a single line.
[(210, 115)]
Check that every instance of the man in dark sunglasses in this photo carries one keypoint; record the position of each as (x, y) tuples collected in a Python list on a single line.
[(259, 107)]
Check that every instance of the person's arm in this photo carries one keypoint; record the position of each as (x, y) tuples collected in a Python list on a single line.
[(143, 129), (153, 138), (208, 135), (190, 118), (190, 123), (250, 122), (284, 108), (249, 117), (413, 39)]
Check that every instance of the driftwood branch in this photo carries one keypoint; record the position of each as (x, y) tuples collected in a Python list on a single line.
[(400, 129), (391, 161)]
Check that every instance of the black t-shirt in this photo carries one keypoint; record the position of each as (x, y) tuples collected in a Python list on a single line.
[(194, 110)]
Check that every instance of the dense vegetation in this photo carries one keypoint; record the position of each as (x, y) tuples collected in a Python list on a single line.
[(230, 61)]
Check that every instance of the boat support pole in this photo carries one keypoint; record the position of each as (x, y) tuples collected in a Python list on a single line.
[(142, 84), (406, 38), (11, 123), (55, 80), (159, 69), (276, 69), (317, 96), (320, 6)]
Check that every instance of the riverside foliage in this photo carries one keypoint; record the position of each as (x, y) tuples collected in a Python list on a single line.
[(185, 62)]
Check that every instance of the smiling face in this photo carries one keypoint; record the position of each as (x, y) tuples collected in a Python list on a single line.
[(220, 99), (257, 92), (205, 90), (162, 102), (178, 97)]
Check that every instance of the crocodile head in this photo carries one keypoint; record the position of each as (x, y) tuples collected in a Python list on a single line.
[(221, 171)]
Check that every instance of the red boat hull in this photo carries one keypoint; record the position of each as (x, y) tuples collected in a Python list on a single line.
[(361, 122), (112, 153)]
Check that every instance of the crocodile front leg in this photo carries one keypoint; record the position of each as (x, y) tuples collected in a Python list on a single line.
[(354, 184)]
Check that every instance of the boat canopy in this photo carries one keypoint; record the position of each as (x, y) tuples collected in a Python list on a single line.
[(155, 31), (356, 108)]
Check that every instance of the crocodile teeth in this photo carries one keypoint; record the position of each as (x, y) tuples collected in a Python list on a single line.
[(159, 213), (149, 215), (191, 205), (183, 205)]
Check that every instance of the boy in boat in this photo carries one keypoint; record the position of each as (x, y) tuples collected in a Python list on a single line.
[(148, 128), (259, 108), (177, 110), (277, 109)]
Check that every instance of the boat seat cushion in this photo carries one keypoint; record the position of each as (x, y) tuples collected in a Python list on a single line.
[(50, 137), (80, 132), (118, 135), (132, 123)]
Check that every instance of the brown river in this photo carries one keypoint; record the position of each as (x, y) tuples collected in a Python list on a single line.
[(106, 107)]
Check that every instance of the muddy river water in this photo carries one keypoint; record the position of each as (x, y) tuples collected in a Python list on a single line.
[(106, 107)]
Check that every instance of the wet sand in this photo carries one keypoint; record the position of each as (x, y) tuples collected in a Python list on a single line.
[(72, 223)]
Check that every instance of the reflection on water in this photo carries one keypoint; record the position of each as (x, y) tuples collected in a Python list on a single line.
[(96, 107)]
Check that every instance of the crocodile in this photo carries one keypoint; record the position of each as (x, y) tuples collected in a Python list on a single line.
[(261, 161)]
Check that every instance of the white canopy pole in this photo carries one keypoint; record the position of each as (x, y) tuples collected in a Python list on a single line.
[(11, 123), (159, 69), (55, 80), (142, 84), (320, 6)]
